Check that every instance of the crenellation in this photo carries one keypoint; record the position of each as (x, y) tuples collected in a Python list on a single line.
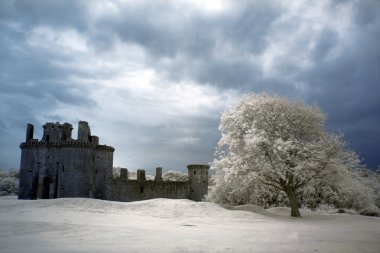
[(141, 175), (67, 143), (105, 148), (158, 176), (124, 173), (67, 131), (95, 140)]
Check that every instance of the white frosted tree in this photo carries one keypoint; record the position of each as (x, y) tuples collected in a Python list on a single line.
[(174, 175), (9, 182), (278, 143)]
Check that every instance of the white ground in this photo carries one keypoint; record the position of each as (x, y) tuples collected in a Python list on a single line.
[(164, 225)]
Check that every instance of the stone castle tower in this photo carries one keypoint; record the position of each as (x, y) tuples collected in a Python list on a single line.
[(58, 166), (198, 179)]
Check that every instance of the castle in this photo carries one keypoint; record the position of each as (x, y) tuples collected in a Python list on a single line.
[(60, 167)]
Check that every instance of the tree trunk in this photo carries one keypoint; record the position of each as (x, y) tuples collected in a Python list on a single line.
[(295, 212)]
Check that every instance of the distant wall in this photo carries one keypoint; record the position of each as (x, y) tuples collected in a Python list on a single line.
[(132, 190)]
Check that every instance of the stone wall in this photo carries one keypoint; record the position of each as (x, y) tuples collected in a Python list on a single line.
[(131, 190), (198, 178), (101, 172), (27, 175), (58, 166)]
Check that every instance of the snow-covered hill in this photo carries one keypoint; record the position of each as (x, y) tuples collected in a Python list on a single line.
[(165, 225)]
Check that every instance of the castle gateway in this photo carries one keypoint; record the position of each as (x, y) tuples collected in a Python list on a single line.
[(58, 166)]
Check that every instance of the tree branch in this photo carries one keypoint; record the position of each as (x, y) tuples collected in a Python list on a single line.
[(271, 184)]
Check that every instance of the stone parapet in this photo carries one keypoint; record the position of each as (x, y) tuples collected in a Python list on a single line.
[(69, 143), (198, 166)]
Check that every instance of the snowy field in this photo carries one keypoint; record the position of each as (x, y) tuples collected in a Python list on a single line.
[(164, 225)]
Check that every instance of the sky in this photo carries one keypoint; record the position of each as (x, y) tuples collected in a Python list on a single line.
[(153, 77)]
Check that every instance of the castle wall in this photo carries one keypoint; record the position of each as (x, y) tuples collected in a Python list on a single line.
[(74, 171), (133, 190), (27, 174), (60, 167), (58, 172), (101, 173)]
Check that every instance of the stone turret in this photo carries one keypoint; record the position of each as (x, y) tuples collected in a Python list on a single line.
[(84, 132), (141, 175), (55, 132), (67, 130), (124, 173), (198, 179), (29, 132), (158, 176)]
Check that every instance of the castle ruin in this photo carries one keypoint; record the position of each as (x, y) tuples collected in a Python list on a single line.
[(58, 166)]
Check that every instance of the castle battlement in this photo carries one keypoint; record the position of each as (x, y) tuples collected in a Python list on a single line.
[(70, 143), (59, 135)]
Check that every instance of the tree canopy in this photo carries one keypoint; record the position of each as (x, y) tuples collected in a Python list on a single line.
[(280, 144)]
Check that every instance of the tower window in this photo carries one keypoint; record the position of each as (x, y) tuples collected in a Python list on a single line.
[(141, 189), (206, 173), (195, 172)]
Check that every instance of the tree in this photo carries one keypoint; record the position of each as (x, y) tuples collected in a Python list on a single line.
[(9, 182), (174, 175), (281, 144)]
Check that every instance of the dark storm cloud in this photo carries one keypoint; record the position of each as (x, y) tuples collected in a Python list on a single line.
[(29, 71), (326, 42), (366, 12), (196, 43), (344, 84), (335, 65), (30, 84), (347, 87), (58, 13)]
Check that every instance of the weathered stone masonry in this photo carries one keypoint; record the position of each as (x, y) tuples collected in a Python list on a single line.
[(58, 166)]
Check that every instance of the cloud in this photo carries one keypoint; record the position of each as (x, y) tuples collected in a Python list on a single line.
[(57, 14), (152, 77)]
